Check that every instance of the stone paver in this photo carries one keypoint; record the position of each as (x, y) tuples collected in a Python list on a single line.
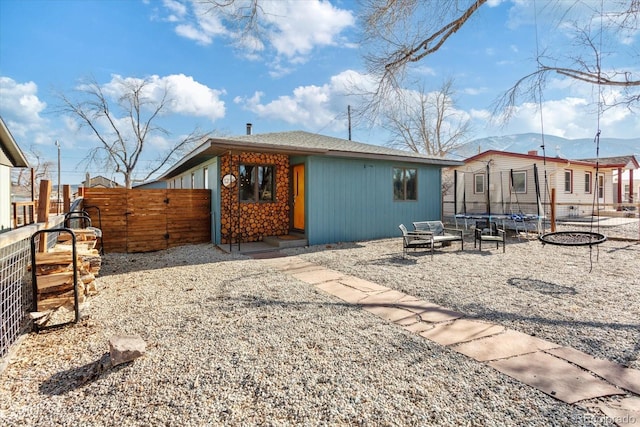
[(511, 343), (388, 297), (561, 372), (625, 412), (419, 327), (429, 312), (317, 276), (363, 285), (627, 378), (461, 330), (345, 293), (555, 377), (290, 264), (392, 314)]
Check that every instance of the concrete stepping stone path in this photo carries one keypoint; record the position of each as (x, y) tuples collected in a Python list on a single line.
[(561, 372)]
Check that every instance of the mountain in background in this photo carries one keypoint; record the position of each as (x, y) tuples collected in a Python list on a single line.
[(555, 146)]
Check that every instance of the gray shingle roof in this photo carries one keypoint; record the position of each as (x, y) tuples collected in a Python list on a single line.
[(312, 141), (299, 143)]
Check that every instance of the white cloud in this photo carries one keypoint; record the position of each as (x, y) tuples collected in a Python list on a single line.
[(20, 101), (186, 96), (475, 90), (311, 107), (299, 26), (192, 33), (292, 28), (570, 117)]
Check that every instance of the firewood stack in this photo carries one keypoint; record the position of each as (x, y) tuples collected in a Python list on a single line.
[(54, 271)]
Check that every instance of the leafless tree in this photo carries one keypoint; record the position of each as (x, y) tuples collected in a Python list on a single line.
[(21, 177), (123, 126), (427, 122), (400, 33)]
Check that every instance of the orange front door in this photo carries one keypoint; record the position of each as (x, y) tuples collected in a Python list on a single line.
[(298, 197)]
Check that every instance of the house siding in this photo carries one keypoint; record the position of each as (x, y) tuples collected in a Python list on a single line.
[(5, 198), (576, 202), (352, 200), (213, 167)]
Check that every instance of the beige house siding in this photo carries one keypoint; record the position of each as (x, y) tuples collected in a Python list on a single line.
[(504, 200)]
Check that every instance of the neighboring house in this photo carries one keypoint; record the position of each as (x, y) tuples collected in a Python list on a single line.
[(10, 157), (150, 185), (630, 174), (99, 182), (330, 189), (501, 182)]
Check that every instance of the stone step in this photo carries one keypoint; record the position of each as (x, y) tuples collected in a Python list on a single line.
[(292, 240)]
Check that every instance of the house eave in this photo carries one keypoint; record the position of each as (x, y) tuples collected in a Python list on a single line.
[(216, 147), (10, 149)]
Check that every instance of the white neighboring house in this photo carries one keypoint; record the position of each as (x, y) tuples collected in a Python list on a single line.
[(501, 182), (10, 157)]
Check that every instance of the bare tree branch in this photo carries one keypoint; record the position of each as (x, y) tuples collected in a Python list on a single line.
[(123, 135), (427, 122)]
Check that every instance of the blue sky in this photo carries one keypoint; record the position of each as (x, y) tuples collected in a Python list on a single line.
[(298, 80)]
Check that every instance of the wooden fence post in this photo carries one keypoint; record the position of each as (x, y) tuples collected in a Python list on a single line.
[(44, 203), (66, 196)]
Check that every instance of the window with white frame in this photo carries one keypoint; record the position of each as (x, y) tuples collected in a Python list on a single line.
[(587, 182), (568, 181), (206, 179), (478, 183)]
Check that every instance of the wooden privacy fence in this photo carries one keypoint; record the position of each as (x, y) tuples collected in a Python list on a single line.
[(149, 220)]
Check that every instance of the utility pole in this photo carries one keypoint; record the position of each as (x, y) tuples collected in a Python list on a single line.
[(349, 117), (58, 204)]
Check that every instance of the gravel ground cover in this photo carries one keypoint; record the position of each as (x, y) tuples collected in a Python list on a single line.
[(232, 341)]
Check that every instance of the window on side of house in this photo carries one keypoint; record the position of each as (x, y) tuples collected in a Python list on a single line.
[(205, 178), (568, 181), (257, 183), (193, 180), (478, 183), (519, 181), (405, 184), (587, 182)]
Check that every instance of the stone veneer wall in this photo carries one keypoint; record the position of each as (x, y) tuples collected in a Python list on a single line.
[(256, 219)]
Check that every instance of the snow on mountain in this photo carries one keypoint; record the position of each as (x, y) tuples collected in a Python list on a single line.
[(554, 146)]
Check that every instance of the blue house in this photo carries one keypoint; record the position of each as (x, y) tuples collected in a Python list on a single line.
[(328, 189)]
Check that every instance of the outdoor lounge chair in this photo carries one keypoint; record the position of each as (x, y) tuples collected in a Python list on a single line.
[(488, 231), (441, 234), (414, 240)]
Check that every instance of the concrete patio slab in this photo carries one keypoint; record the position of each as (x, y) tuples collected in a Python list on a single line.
[(501, 346), (345, 293), (555, 377), (626, 378), (461, 330), (314, 277), (388, 297)]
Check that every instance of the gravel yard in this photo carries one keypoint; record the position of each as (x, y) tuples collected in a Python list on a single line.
[(232, 341)]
